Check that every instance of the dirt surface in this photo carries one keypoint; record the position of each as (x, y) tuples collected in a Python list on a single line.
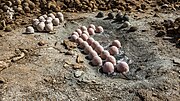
[(37, 67)]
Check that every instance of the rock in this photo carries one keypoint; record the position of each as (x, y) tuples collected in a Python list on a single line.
[(100, 15), (133, 29), (77, 66), (8, 29), (79, 59), (161, 33), (176, 61), (77, 74), (69, 45), (3, 65), (41, 43), (110, 15)]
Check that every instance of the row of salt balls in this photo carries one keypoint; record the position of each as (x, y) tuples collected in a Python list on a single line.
[(96, 52), (45, 22)]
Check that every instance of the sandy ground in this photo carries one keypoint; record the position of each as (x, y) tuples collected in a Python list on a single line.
[(46, 73)]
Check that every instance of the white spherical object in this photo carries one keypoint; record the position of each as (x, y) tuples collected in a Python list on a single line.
[(55, 21), (83, 28), (108, 67), (75, 33), (74, 38), (49, 27), (35, 22), (84, 37), (85, 32), (59, 14), (51, 15), (116, 43), (99, 49), (96, 61), (83, 44), (42, 19), (45, 16), (99, 29), (48, 22), (92, 26), (87, 49), (40, 26), (90, 40), (113, 50), (122, 67), (111, 59), (30, 30), (91, 31), (79, 31), (92, 54), (104, 54), (49, 18), (95, 44), (79, 41)]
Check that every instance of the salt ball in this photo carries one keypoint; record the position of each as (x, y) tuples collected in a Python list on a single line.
[(99, 29), (113, 50), (45, 16), (95, 44), (75, 33), (122, 67), (30, 30), (48, 22), (55, 21), (92, 54), (49, 27), (79, 31), (79, 41), (40, 26), (84, 37), (87, 49), (83, 45), (111, 59), (85, 32), (59, 14), (35, 22), (42, 19), (92, 26), (99, 49), (51, 15), (90, 40), (74, 38), (91, 31), (108, 67), (96, 61), (104, 54), (116, 43), (49, 18), (83, 28)]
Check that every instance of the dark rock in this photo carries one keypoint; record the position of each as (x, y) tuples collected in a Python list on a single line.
[(133, 29), (168, 23), (119, 16), (161, 33), (126, 17), (111, 15), (100, 15)]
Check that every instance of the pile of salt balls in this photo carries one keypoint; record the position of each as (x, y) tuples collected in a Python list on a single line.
[(96, 52), (45, 22)]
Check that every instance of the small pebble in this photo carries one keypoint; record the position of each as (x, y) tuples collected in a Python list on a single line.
[(95, 44), (83, 45), (84, 37), (92, 26), (87, 49), (55, 21), (104, 54), (133, 29), (100, 15), (30, 30), (40, 26), (92, 54), (74, 37), (122, 67), (91, 31), (90, 40), (110, 15), (113, 50), (99, 49), (116, 43), (79, 31), (79, 41), (83, 28)]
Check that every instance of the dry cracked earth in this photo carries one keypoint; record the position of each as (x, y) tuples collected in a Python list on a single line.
[(39, 67)]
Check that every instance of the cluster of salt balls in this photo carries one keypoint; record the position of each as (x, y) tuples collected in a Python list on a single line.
[(96, 53), (45, 22)]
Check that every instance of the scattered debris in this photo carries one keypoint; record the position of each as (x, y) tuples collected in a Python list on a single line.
[(78, 73)]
